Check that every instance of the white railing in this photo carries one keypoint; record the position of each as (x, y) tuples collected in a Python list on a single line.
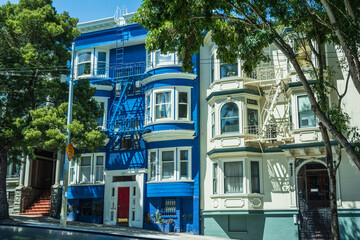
[(271, 131)]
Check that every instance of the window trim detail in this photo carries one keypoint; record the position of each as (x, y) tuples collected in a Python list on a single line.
[(76, 165), (177, 165)]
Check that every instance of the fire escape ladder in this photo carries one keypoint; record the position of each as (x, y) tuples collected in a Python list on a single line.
[(117, 104), (270, 104)]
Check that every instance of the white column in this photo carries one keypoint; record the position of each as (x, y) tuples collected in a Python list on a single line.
[(292, 179), (27, 171), (22, 169), (59, 163)]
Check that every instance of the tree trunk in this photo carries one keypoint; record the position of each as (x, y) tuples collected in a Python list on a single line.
[(4, 207), (332, 184)]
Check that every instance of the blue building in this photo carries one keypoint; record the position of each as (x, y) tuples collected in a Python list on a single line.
[(150, 164)]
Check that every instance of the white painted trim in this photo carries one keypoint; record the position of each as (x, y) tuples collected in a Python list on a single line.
[(189, 163), (164, 76), (174, 163), (104, 100), (169, 121), (103, 87), (168, 135)]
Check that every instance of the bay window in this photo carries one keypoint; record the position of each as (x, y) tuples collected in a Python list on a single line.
[(92, 63), (183, 105), (162, 105), (184, 163), (84, 63), (215, 178), (305, 115), (233, 177), (169, 164), (228, 70), (167, 104), (156, 59), (229, 118), (255, 176), (152, 165), (252, 121)]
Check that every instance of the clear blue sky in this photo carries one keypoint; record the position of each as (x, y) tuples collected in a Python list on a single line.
[(88, 10)]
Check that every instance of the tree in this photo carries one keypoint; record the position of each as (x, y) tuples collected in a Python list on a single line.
[(35, 49), (242, 29)]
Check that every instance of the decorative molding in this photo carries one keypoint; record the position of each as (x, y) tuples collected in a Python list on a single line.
[(215, 203), (255, 202), (167, 135), (234, 203), (164, 76), (103, 87)]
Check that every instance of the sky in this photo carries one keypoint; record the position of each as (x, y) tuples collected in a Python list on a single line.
[(88, 10)]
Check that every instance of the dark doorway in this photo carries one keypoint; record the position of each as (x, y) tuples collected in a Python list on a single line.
[(314, 205), (42, 176)]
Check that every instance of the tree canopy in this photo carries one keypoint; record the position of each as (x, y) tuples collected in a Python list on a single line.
[(35, 46), (242, 29)]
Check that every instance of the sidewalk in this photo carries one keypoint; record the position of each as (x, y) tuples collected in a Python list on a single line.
[(48, 222)]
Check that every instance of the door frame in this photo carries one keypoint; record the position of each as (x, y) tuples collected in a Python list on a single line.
[(136, 202)]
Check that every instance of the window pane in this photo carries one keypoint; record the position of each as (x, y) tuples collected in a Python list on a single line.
[(233, 177), (99, 160), (101, 68), (102, 56), (306, 115), (84, 57), (100, 120), (184, 169), (212, 125), (215, 182), (84, 68), (182, 97), (85, 174), (255, 177), (167, 164), (152, 156), (85, 161), (99, 175), (167, 156), (184, 155), (72, 174), (227, 70), (183, 111), (162, 59), (212, 63), (167, 170), (229, 118)]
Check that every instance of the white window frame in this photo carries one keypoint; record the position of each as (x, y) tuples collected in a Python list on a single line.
[(246, 118), (95, 155), (148, 114), (107, 61), (161, 163), (94, 52), (177, 164), (157, 91), (105, 101), (188, 92), (178, 160), (215, 177), (91, 167), (222, 177), (220, 118), (297, 119), (156, 166), (77, 169), (229, 77), (77, 63)]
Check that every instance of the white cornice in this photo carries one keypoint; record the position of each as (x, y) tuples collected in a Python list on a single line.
[(167, 135), (103, 87), (188, 76)]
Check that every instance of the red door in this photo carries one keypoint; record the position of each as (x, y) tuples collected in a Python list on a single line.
[(123, 205)]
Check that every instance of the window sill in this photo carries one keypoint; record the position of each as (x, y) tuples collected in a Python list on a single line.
[(170, 181), (305, 129), (235, 195), (160, 121), (162, 66), (85, 184)]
